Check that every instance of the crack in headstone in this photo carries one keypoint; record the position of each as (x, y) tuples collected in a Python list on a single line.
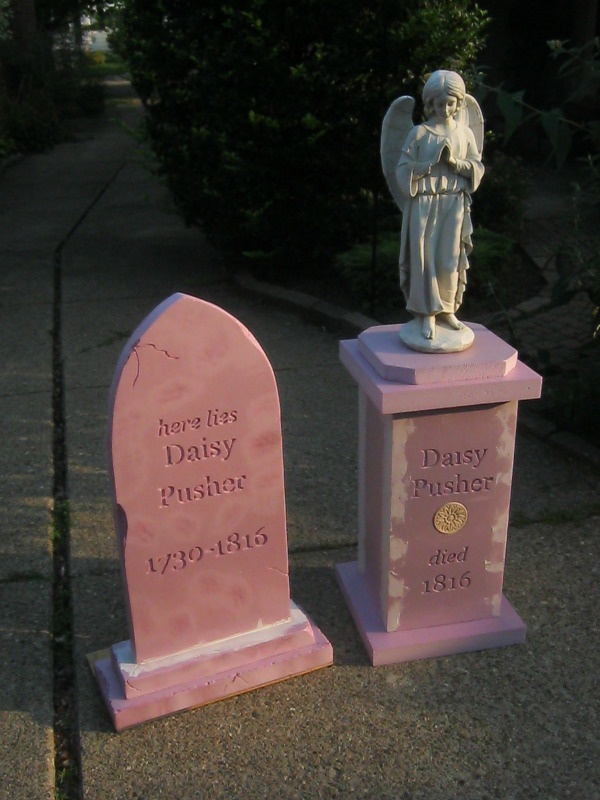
[(135, 350)]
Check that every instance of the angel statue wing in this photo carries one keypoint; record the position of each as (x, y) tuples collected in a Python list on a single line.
[(471, 115), (396, 124)]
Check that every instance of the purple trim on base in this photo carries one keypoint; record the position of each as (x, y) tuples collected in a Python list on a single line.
[(410, 645)]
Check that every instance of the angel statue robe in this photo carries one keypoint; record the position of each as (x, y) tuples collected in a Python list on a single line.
[(435, 241)]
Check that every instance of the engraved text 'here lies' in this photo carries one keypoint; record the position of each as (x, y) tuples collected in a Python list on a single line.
[(180, 446)]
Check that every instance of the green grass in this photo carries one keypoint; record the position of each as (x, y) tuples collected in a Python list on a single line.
[(103, 64)]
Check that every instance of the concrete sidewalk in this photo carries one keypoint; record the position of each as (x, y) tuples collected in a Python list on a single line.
[(89, 244)]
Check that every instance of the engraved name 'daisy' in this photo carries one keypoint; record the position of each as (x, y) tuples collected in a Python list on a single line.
[(459, 483), (180, 446)]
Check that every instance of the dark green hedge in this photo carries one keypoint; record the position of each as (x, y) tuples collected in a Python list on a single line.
[(265, 116)]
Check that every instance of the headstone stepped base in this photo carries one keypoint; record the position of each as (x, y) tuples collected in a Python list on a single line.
[(135, 693)]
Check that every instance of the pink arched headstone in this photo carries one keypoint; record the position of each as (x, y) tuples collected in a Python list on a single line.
[(197, 468)]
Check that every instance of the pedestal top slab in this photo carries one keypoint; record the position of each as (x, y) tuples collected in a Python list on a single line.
[(488, 357), (394, 397)]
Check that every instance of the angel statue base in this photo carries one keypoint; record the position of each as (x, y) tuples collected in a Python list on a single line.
[(432, 169), (446, 339)]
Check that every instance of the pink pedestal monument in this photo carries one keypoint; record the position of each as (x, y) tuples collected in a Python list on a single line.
[(197, 467), (436, 447)]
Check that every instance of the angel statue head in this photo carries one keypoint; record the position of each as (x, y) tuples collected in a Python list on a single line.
[(443, 83), (432, 170)]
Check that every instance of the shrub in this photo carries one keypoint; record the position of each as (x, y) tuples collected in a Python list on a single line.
[(572, 397), (7, 145), (40, 91), (5, 18), (265, 116), (491, 279), (500, 200), (96, 57), (375, 289), (29, 125), (570, 127), (103, 64), (491, 254)]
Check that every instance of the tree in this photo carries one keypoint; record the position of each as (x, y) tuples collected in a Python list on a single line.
[(35, 86)]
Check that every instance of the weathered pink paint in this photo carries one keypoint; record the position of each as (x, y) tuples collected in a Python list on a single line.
[(197, 469), (193, 382), (418, 453)]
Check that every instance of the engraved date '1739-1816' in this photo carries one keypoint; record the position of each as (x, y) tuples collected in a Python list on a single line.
[(180, 559)]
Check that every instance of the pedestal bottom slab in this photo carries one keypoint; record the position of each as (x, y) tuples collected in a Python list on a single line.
[(440, 640), (127, 712)]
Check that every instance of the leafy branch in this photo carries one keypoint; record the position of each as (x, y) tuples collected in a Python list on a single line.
[(581, 69), (577, 261)]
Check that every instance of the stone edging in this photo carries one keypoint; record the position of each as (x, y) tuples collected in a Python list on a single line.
[(311, 307)]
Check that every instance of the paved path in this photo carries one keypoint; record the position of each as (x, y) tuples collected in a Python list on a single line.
[(89, 244)]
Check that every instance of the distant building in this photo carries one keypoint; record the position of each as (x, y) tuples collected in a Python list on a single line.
[(93, 40)]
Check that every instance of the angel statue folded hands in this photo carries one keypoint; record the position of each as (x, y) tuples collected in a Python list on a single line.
[(432, 169)]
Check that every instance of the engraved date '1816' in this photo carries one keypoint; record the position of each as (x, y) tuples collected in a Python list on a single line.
[(442, 583), (180, 559)]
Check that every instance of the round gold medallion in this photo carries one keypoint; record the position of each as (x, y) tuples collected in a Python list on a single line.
[(450, 518)]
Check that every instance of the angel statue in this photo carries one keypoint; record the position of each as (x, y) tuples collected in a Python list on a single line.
[(431, 170)]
